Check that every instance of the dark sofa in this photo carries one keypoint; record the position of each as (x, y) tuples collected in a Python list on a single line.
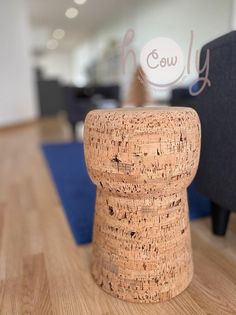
[(216, 107), (79, 101)]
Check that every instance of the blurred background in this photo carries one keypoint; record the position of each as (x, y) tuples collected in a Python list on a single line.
[(64, 57)]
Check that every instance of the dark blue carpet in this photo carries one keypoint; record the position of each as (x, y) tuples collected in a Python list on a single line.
[(77, 193)]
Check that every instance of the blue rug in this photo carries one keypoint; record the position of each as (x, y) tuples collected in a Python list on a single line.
[(75, 189), (77, 193)]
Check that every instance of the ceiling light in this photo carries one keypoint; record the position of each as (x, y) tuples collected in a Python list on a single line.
[(52, 44), (58, 34), (71, 13), (80, 1)]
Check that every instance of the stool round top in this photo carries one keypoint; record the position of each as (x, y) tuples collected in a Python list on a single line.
[(143, 109), (149, 120), (132, 150)]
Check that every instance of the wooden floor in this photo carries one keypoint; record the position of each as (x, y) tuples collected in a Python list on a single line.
[(42, 271)]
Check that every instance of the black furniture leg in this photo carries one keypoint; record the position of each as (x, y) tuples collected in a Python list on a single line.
[(220, 219)]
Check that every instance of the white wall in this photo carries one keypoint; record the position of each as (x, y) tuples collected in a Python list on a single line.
[(234, 15), (170, 18), (17, 97)]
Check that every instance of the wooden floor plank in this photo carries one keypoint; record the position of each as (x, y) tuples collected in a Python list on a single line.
[(43, 271), (35, 292)]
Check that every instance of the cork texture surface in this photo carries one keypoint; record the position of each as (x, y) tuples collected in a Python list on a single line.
[(142, 161)]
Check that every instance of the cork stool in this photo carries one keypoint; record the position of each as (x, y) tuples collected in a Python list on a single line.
[(142, 161)]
